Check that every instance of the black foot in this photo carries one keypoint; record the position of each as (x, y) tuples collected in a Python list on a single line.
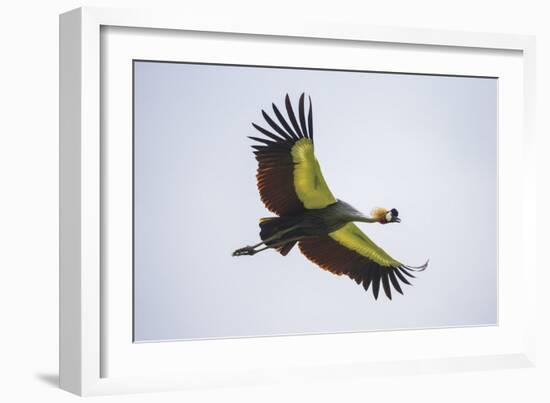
[(246, 251)]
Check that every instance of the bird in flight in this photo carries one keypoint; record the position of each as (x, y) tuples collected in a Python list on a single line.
[(292, 186)]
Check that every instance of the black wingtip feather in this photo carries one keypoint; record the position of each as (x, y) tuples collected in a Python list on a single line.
[(267, 133), (260, 140), (394, 282), (292, 116), (310, 120), (302, 115), (376, 285), (406, 272), (276, 127), (419, 268), (386, 285), (283, 122), (366, 282), (401, 277)]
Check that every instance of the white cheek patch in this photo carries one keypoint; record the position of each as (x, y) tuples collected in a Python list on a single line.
[(388, 216)]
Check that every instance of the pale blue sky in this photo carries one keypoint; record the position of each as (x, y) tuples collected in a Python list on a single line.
[(425, 145)]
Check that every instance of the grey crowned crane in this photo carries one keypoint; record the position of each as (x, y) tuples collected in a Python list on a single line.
[(292, 186)]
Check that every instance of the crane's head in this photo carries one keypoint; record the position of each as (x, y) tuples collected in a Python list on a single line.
[(392, 216), (385, 216)]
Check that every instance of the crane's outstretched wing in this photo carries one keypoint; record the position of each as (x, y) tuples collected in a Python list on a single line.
[(349, 251), (289, 176)]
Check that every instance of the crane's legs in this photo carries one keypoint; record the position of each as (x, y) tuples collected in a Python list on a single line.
[(251, 250)]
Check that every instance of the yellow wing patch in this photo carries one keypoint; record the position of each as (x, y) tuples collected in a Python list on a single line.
[(309, 183), (351, 237)]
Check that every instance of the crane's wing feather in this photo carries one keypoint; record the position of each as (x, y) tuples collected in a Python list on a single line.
[(349, 251), (289, 176)]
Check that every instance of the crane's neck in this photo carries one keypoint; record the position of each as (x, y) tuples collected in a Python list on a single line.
[(362, 218), (352, 214)]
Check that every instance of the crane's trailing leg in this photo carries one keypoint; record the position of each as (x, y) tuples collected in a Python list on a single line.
[(245, 251), (273, 231), (250, 250)]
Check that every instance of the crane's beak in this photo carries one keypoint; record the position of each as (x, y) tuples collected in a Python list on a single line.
[(396, 219)]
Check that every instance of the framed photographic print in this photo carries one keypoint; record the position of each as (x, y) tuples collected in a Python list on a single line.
[(237, 198)]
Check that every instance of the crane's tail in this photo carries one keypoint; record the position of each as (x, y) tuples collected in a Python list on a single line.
[(269, 227)]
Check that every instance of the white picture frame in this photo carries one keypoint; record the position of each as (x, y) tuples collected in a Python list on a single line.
[(96, 354)]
